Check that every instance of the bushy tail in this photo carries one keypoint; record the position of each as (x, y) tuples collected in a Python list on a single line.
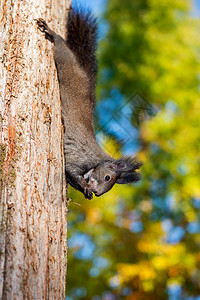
[(82, 39)]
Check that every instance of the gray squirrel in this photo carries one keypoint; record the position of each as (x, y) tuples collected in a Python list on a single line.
[(88, 168)]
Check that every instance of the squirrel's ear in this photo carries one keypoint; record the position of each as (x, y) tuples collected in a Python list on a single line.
[(125, 164), (126, 170), (127, 177)]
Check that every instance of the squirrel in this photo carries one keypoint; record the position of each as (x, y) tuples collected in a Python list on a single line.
[(87, 167)]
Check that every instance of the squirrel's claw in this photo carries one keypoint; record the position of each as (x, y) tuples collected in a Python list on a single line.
[(88, 193), (43, 27)]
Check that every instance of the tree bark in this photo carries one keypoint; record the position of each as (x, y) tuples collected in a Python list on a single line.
[(32, 184)]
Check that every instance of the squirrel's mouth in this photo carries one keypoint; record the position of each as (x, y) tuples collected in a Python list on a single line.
[(96, 193)]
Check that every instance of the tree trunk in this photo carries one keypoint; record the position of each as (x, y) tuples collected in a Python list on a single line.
[(32, 184)]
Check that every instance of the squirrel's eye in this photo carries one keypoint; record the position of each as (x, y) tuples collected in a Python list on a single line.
[(107, 178)]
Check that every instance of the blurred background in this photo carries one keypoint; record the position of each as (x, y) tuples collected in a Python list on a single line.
[(142, 241)]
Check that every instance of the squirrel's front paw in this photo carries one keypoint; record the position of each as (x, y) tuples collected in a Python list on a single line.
[(88, 193)]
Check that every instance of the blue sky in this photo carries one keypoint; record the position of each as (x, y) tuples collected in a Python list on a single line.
[(98, 6), (196, 9)]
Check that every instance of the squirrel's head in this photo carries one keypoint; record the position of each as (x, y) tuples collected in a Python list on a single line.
[(106, 174)]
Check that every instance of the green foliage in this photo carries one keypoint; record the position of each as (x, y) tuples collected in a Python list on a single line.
[(144, 239)]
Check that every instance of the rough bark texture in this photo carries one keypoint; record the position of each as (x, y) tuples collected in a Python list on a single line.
[(32, 185)]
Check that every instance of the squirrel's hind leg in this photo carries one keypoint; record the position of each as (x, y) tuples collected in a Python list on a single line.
[(43, 27)]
